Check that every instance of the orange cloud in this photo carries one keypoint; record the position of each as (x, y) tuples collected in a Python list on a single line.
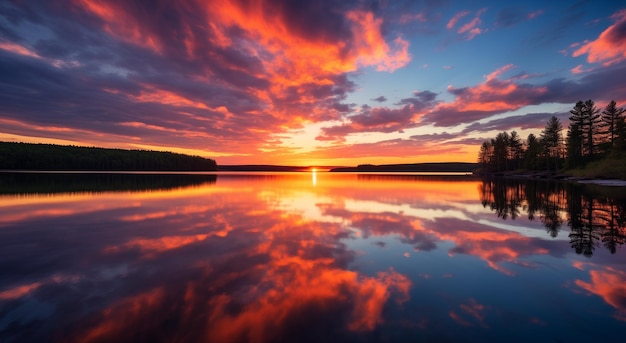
[(492, 92), (495, 247), (166, 98), (299, 59), (494, 95), (122, 315), (610, 47), (295, 72), (151, 246), (302, 284), (610, 284), (371, 48)]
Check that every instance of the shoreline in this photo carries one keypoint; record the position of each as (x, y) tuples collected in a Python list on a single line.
[(601, 182), (553, 176)]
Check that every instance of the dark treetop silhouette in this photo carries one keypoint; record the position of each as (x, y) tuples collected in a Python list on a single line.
[(24, 156)]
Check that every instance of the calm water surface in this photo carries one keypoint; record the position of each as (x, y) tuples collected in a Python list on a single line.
[(307, 257)]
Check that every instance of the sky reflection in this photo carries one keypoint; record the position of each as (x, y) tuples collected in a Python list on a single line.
[(290, 257)]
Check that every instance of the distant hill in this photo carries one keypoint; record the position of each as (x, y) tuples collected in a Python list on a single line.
[(414, 167), (262, 167), (27, 156), (271, 168)]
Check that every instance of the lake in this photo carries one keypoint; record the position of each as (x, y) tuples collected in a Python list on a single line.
[(309, 257)]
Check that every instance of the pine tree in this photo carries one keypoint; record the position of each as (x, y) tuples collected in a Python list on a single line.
[(485, 156), (551, 138), (586, 118), (500, 151), (590, 129), (533, 150), (611, 117), (515, 150), (574, 146)]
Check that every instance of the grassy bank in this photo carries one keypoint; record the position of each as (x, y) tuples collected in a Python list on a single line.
[(611, 167)]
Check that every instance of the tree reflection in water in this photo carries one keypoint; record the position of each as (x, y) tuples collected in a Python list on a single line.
[(595, 215)]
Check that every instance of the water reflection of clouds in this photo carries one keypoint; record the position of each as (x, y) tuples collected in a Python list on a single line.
[(268, 261), (307, 204), (291, 271), (607, 282), (424, 225), (264, 268)]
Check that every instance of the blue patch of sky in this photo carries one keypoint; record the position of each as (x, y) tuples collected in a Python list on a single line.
[(534, 46)]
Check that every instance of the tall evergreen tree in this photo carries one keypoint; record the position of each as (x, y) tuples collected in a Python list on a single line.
[(591, 128), (574, 146), (575, 134), (586, 118), (532, 153), (611, 117), (515, 150), (500, 151), (551, 138), (485, 156)]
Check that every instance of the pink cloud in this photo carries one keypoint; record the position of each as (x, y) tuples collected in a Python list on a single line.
[(608, 283), (493, 96), (473, 33), (18, 49), (469, 314), (455, 19), (383, 119), (469, 26), (533, 15), (408, 17), (610, 47), (578, 69), (379, 119), (470, 29)]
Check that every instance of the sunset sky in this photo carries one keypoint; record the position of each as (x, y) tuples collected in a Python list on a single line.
[(303, 82)]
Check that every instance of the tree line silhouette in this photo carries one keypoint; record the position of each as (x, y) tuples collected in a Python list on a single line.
[(27, 156), (591, 136), (593, 218)]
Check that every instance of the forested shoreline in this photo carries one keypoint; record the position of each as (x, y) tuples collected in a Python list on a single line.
[(458, 167), (30, 156), (594, 145)]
